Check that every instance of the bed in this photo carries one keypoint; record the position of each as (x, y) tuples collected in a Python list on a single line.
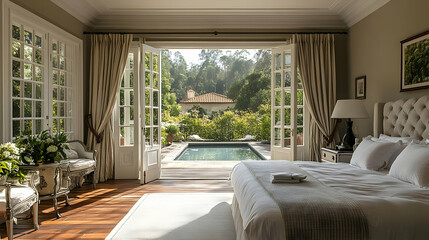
[(337, 200)]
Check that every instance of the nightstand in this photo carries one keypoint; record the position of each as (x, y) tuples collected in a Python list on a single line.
[(335, 155)]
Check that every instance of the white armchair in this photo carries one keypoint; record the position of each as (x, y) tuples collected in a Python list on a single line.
[(19, 198)]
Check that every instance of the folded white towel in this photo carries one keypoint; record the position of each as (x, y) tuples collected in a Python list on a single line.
[(285, 180), (287, 176)]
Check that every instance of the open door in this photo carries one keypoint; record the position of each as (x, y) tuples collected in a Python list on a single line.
[(151, 114), (126, 122), (287, 106)]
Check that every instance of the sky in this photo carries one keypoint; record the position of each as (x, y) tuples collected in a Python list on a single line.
[(192, 55)]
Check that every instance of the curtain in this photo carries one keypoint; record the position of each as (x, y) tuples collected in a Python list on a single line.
[(107, 62), (316, 66)]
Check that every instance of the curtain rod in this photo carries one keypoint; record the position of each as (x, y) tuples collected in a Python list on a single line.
[(214, 33)]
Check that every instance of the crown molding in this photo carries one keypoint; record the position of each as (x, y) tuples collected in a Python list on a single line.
[(353, 11), (340, 14), (83, 11)]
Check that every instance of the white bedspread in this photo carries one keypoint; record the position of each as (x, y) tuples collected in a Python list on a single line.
[(394, 209)]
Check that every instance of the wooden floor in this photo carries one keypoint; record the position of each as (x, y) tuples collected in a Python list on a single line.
[(94, 213)]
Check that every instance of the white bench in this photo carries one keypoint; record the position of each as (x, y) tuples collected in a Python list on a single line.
[(81, 164)]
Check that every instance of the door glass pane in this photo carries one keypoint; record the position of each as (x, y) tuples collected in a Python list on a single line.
[(155, 81), (300, 116), (287, 137), (147, 60), (287, 94), (16, 88), (155, 116), (28, 72), (277, 117), (147, 97), (16, 49), (16, 111), (28, 53), (147, 136), (288, 60), (277, 98), (278, 80), (155, 98), (16, 32), (28, 37), (278, 61), (300, 136), (38, 74), (300, 97), (28, 108), (287, 79), (28, 127), (155, 62), (155, 136), (147, 116), (147, 79), (287, 117), (37, 126), (277, 137), (16, 69), (16, 128)]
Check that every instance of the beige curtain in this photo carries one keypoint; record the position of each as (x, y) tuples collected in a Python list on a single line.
[(108, 58), (316, 65)]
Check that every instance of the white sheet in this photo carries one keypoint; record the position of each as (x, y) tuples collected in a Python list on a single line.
[(394, 209)]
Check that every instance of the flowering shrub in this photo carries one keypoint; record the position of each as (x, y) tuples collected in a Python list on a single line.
[(9, 161), (42, 148)]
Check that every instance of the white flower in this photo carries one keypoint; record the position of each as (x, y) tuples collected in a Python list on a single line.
[(49, 140), (6, 154), (27, 159), (52, 148)]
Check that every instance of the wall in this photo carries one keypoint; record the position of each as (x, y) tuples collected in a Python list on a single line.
[(209, 107), (375, 51)]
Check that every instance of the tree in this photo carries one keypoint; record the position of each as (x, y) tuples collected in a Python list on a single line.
[(252, 86)]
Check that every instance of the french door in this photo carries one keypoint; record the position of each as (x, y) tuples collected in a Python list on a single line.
[(151, 114), (287, 106), (126, 119), (138, 116)]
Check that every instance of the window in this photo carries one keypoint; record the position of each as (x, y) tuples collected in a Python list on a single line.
[(62, 88), (28, 83), (43, 74)]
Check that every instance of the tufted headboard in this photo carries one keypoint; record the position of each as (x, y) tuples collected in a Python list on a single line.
[(403, 118)]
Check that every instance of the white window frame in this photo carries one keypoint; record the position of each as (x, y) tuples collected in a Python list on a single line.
[(11, 13)]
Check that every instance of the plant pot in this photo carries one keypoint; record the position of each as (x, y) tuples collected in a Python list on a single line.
[(47, 177), (170, 139), (3, 180), (12, 180)]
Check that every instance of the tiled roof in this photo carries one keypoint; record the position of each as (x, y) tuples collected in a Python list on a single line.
[(209, 98)]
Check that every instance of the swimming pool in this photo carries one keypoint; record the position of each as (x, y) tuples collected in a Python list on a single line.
[(218, 152)]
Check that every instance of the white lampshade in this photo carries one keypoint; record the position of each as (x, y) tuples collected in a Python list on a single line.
[(350, 108)]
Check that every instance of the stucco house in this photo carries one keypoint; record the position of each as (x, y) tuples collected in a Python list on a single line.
[(210, 102)]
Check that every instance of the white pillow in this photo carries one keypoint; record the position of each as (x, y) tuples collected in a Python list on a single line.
[(412, 165), (404, 140), (71, 154), (375, 155)]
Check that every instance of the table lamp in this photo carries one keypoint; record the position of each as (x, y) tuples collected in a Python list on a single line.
[(349, 108)]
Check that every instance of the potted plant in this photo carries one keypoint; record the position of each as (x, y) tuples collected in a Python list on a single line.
[(171, 130), (43, 152), (9, 164)]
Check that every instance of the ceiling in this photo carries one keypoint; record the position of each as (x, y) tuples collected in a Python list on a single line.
[(219, 14)]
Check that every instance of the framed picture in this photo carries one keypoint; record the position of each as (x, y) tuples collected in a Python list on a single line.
[(415, 62), (360, 87)]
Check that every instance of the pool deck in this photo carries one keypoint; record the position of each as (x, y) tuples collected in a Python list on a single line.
[(203, 170)]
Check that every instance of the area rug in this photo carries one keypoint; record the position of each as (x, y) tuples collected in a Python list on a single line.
[(178, 216)]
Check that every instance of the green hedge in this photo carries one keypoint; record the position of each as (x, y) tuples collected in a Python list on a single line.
[(224, 126)]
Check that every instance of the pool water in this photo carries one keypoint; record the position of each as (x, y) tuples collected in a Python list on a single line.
[(218, 152)]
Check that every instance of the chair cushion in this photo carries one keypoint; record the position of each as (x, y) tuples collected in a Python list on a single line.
[(79, 164), (18, 194)]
